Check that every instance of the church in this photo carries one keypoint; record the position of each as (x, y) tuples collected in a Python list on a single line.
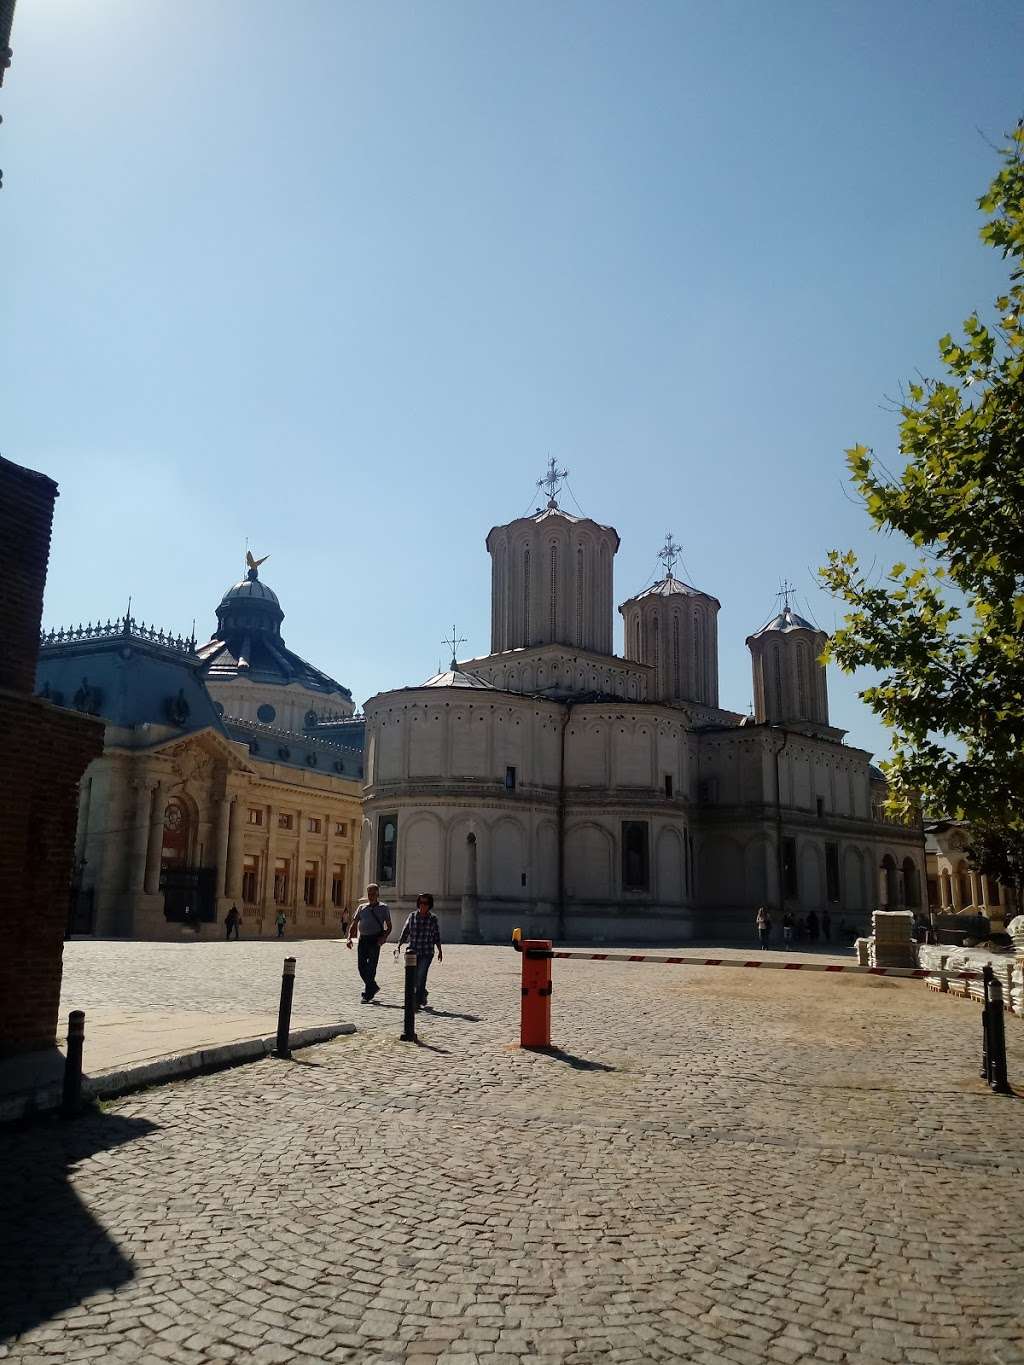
[(586, 796)]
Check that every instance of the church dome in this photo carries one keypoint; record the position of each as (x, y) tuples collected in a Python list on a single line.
[(249, 605), (456, 677), (786, 621)]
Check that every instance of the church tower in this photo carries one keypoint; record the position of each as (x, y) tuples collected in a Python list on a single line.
[(674, 628), (789, 682), (551, 578)]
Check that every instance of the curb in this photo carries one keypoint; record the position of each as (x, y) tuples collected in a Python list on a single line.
[(118, 1081)]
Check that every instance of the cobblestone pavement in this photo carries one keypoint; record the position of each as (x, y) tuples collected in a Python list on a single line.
[(716, 1166)]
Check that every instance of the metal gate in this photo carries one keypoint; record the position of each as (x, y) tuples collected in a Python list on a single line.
[(191, 890)]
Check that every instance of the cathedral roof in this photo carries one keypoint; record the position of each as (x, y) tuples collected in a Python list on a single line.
[(455, 677), (786, 621), (553, 513), (671, 586), (248, 643)]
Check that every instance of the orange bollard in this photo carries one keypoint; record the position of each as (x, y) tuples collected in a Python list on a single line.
[(535, 1019)]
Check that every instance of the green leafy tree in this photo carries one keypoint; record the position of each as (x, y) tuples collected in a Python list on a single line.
[(945, 630)]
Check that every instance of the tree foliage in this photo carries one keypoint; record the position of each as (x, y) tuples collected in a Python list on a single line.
[(946, 628)]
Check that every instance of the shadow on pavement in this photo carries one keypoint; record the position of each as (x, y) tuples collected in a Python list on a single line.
[(53, 1252), (453, 1014), (577, 1063)]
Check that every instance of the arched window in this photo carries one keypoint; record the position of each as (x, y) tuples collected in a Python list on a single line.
[(553, 621), (777, 673), (911, 894), (656, 650), (174, 852), (964, 882), (636, 637), (500, 595), (580, 598), (526, 596), (801, 680), (698, 656), (676, 693)]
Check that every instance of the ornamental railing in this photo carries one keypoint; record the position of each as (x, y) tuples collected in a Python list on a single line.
[(126, 627)]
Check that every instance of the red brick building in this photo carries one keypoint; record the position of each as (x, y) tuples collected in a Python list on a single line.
[(45, 751)]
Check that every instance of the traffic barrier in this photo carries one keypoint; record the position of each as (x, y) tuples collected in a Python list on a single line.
[(538, 954), (71, 1097), (284, 1009), (409, 1016)]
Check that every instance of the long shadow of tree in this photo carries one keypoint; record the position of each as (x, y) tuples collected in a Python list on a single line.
[(53, 1252)]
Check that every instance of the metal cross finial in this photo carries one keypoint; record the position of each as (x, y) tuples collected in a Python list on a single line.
[(553, 480), (786, 590), (669, 553), (453, 644)]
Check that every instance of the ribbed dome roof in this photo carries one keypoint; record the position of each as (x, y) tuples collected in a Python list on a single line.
[(248, 589), (455, 677), (786, 621)]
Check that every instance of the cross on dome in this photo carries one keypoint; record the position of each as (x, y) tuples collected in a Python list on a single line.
[(553, 481), (786, 590), (453, 644), (669, 553)]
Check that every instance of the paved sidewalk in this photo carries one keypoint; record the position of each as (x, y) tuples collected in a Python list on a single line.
[(719, 1167)]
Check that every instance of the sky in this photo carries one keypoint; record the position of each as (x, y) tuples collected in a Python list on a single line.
[(338, 278)]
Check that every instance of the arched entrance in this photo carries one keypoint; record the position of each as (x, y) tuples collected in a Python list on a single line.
[(188, 890)]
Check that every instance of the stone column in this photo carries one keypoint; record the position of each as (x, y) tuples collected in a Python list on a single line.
[(139, 864), (954, 883), (975, 893), (223, 830), (470, 900), (268, 902), (236, 849), (299, 880), (155, 845)]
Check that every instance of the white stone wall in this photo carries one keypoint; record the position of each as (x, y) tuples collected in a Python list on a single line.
[(291, 702), (789, 682), (556, 667)]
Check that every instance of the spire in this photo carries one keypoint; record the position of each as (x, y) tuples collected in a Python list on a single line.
[(669, 553), (453, 644), (552, 481)]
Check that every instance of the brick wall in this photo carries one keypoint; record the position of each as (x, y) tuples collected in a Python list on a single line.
[(45, 750), (26, 512)]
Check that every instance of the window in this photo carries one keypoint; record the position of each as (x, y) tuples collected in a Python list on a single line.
[(250, 878), (285, 821), (789, 880), (819, 803), (281, 881), (255, 816), (636, 875), (341, 828), (309, 881), (338, 884), (668, 785), (387, 849), (266, 714), (832, 872), (510, 779), (313, 825)]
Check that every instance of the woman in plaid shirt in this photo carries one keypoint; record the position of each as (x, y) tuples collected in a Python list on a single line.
[(422, 934)]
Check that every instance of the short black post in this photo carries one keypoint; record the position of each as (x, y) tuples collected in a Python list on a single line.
[(986, 1012), (72, 1096), (284, 1013), (409, 1032), (997, 1077)]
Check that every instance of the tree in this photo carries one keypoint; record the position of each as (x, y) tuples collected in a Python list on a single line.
[(946, 631)]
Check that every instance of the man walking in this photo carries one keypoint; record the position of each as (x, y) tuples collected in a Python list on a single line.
[(422, 934), (372, 921)]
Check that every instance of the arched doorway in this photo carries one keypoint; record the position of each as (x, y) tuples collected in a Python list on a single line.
[(889, 883), (188, 890), (911, 894)]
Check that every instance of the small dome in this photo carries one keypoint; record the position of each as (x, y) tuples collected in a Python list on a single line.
[(786, 620), (455, 677), (248, 590), (670, 587)]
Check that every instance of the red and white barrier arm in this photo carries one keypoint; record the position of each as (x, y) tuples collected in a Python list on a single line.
[(763, 965)]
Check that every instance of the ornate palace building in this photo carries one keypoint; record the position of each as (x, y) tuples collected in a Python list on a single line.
[(231, 773), (582, 794)]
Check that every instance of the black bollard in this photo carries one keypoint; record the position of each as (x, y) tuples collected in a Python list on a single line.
[(986, 1015), (72, 1096), (997, 1077), (409, 1033), (284, 1013)]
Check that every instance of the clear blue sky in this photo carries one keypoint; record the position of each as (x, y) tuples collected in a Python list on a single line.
[(338, 277)]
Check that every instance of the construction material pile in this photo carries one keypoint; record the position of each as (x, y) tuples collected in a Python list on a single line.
[(892, 939)]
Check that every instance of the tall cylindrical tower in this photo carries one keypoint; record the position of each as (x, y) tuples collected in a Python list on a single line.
[(551, 581), (789, 681), (674, 628)]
